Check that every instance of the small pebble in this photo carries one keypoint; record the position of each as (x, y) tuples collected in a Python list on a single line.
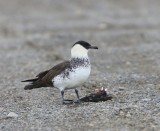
[(1, 109), (128, 115), (121, 88), (12, 115), (146, 99), (102, 26), (128, 63), (121, 113)]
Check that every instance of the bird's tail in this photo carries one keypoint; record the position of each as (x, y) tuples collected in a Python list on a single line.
[(34, 84), (30, 80)]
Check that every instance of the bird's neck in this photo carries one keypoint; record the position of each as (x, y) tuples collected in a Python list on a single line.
[(80, 61), (79, 58), (79, 52)]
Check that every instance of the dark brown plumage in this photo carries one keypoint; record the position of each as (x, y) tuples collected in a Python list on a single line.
[(44, 79)]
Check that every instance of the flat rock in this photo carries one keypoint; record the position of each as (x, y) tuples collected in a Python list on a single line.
[(12, 115)]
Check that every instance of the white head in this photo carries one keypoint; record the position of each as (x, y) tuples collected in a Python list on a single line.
[(80, 49)]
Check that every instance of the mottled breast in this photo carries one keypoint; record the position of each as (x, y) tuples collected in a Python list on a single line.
[(74, 76)]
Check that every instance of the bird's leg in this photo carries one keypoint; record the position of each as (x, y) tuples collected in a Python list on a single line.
[(62, 93), (76, 91), (65, 101)]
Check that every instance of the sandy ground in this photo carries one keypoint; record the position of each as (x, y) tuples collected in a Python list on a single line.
[(37, 34)]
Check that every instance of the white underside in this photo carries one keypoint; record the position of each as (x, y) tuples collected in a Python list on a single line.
[(75, 78)]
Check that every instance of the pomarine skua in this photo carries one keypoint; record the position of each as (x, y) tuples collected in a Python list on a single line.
[(68, 74)]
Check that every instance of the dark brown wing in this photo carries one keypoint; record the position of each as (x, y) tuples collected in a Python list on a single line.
[(42, 74), (56, 70), (44, 79), (39, 76)]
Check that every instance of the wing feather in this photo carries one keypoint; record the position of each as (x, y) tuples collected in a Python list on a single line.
[(56, 70), (45, 78)]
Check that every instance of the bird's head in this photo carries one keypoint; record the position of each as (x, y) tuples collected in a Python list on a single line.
[(80, 49)]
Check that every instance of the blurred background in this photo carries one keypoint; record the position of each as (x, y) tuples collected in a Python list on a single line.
[(35, 35), (96, 20), (127, 32), (112, 25)]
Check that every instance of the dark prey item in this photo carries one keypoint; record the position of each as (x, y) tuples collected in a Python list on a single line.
[(100, 94)]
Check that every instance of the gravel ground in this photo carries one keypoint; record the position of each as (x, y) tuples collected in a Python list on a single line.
[(36, 35)]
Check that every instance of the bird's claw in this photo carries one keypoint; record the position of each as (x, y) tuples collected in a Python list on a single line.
[(67, 102)]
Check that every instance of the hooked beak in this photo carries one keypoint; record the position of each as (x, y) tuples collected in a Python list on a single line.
[(93, 47)]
